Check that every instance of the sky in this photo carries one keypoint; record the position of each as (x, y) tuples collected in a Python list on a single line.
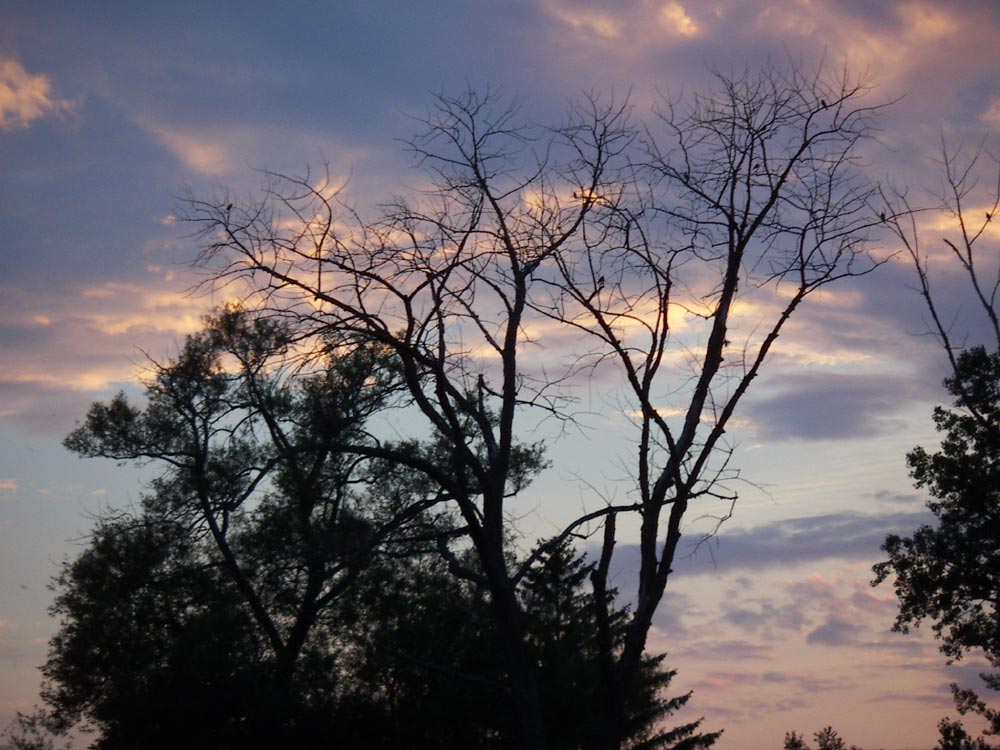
[(110, 112)]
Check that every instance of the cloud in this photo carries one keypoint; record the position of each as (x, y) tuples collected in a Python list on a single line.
[(906, 499), (770, 692), (846, 535), (836, 631), (26, 97), (776, 610), (194, 148), (623, 28), (826, 609), (670, 616), (803, 682), (766, 617), (729, 651), (991, 115), (64, 349), (40, 409), (830, 406), (967, 674), (677, 20), (132, 308), (938, 701), (588, 22), (8, 485)]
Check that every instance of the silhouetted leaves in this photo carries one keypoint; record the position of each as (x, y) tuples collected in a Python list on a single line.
[(949, 574)]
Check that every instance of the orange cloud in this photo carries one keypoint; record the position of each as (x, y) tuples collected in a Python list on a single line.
[(676, 19), (92, 341), (194, 150), (991, 115), (639, 23), (587, 21), (892, 50), (926, 23), (26, 97), (130, 307)]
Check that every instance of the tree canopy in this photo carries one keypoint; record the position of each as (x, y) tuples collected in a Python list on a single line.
[(949, 574), (155, 641), (273, 589)]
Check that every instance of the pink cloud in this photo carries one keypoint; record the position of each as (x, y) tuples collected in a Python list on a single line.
[(26, 97)]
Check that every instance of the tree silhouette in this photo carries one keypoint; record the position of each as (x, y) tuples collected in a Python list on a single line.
[(275, 590), (589, 231), (562, 623), (252, 494), (155, 641), (32, 731), (826, 739), (439, 686), (949, 573), (954, 737)]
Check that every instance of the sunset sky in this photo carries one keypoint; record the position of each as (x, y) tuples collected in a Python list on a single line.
[(111, 111)]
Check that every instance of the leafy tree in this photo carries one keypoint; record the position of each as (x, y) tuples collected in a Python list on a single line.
[(34, 731), (155, 640), (273, 589), (562, 623), (826, 739), (254, 507), (954, 737), (950, 573)]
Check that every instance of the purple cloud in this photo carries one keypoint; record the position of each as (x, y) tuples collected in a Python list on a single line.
[(831, 406), (836, 631), (850, 536)]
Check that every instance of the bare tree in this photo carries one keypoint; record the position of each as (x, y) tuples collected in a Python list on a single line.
[(758, 201), (596, 227), (969, 196)]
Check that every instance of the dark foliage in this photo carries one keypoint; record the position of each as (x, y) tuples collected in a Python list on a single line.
[(826, 739), (949, 574), (218, 588), (277, 590), (954, 737), (439, 683), (155, 642)]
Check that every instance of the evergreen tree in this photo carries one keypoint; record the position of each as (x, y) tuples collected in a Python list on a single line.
[(437, 685)]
